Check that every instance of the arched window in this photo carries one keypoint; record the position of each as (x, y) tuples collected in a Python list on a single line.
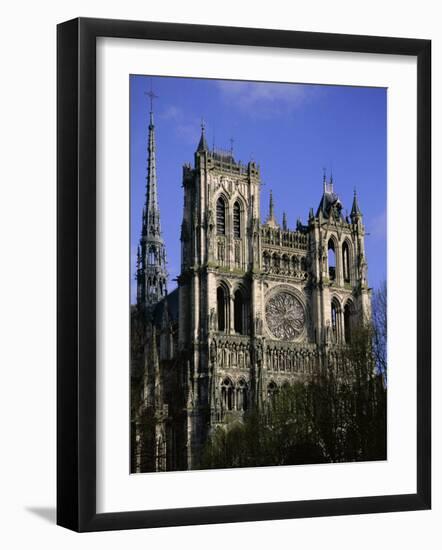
[(348, 312), (220, 216), (286, 262), (239, 317), (346, 262), (151, 256), (221, 307), (237, 220), (227, 394), (335, 310), (331, 260), (242, 397)]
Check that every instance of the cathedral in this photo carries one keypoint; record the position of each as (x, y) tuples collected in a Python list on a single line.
[(258, 305)]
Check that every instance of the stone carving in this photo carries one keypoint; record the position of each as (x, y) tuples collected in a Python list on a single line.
[(213, 352), (210, 222), (285, 316), (213, 319), (258, 325), (258, 353)]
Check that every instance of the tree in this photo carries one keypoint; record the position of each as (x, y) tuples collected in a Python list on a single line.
[(379, 321), (339, 416), (280, 434)]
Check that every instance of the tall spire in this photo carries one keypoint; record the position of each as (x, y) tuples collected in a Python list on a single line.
[(284, 221), (151, 207), (152, 273)]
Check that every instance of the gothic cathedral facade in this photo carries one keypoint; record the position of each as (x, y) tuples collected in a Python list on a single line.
[(258, 305)]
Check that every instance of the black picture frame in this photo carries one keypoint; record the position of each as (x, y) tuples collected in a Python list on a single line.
[(76, 274)]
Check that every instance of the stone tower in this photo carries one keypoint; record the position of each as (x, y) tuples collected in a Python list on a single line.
[(151, 260), (259, 304), (220, 254), (338, 269)]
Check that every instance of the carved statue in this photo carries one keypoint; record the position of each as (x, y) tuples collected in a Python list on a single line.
[(210, 221), (213, 319), (323, 257), (362, 268), (258, 325), (213, 351), (258, 353)]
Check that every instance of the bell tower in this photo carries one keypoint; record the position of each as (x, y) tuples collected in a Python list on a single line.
[(219, 256), (340, 292)]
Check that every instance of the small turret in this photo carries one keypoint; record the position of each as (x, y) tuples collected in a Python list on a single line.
[(355, 213), (330, 205), (202, 145), (271, 220)]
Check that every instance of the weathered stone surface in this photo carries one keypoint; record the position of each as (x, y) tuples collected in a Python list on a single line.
[(257, 306)]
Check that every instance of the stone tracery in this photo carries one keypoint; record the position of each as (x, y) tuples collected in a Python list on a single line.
[(285, 316)]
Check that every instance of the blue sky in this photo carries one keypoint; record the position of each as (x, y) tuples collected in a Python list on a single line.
[(293, 131)]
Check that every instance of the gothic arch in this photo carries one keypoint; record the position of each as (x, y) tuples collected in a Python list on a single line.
[(151, 255), (228, 394), (221, 215), (332, 250), (240, 310), (238, 196), (335, 314), (242, 395), (223, 306), (237, 220), (349, 314), (346, 261)]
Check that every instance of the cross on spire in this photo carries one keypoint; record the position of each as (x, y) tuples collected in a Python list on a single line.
[(202, 146), (151, 96)]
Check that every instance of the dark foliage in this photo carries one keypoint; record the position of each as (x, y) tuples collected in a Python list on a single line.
[(338, 417)]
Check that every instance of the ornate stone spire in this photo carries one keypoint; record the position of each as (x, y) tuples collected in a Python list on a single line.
[(152, 272), (271, 221), (284, 221), (355, 213)]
